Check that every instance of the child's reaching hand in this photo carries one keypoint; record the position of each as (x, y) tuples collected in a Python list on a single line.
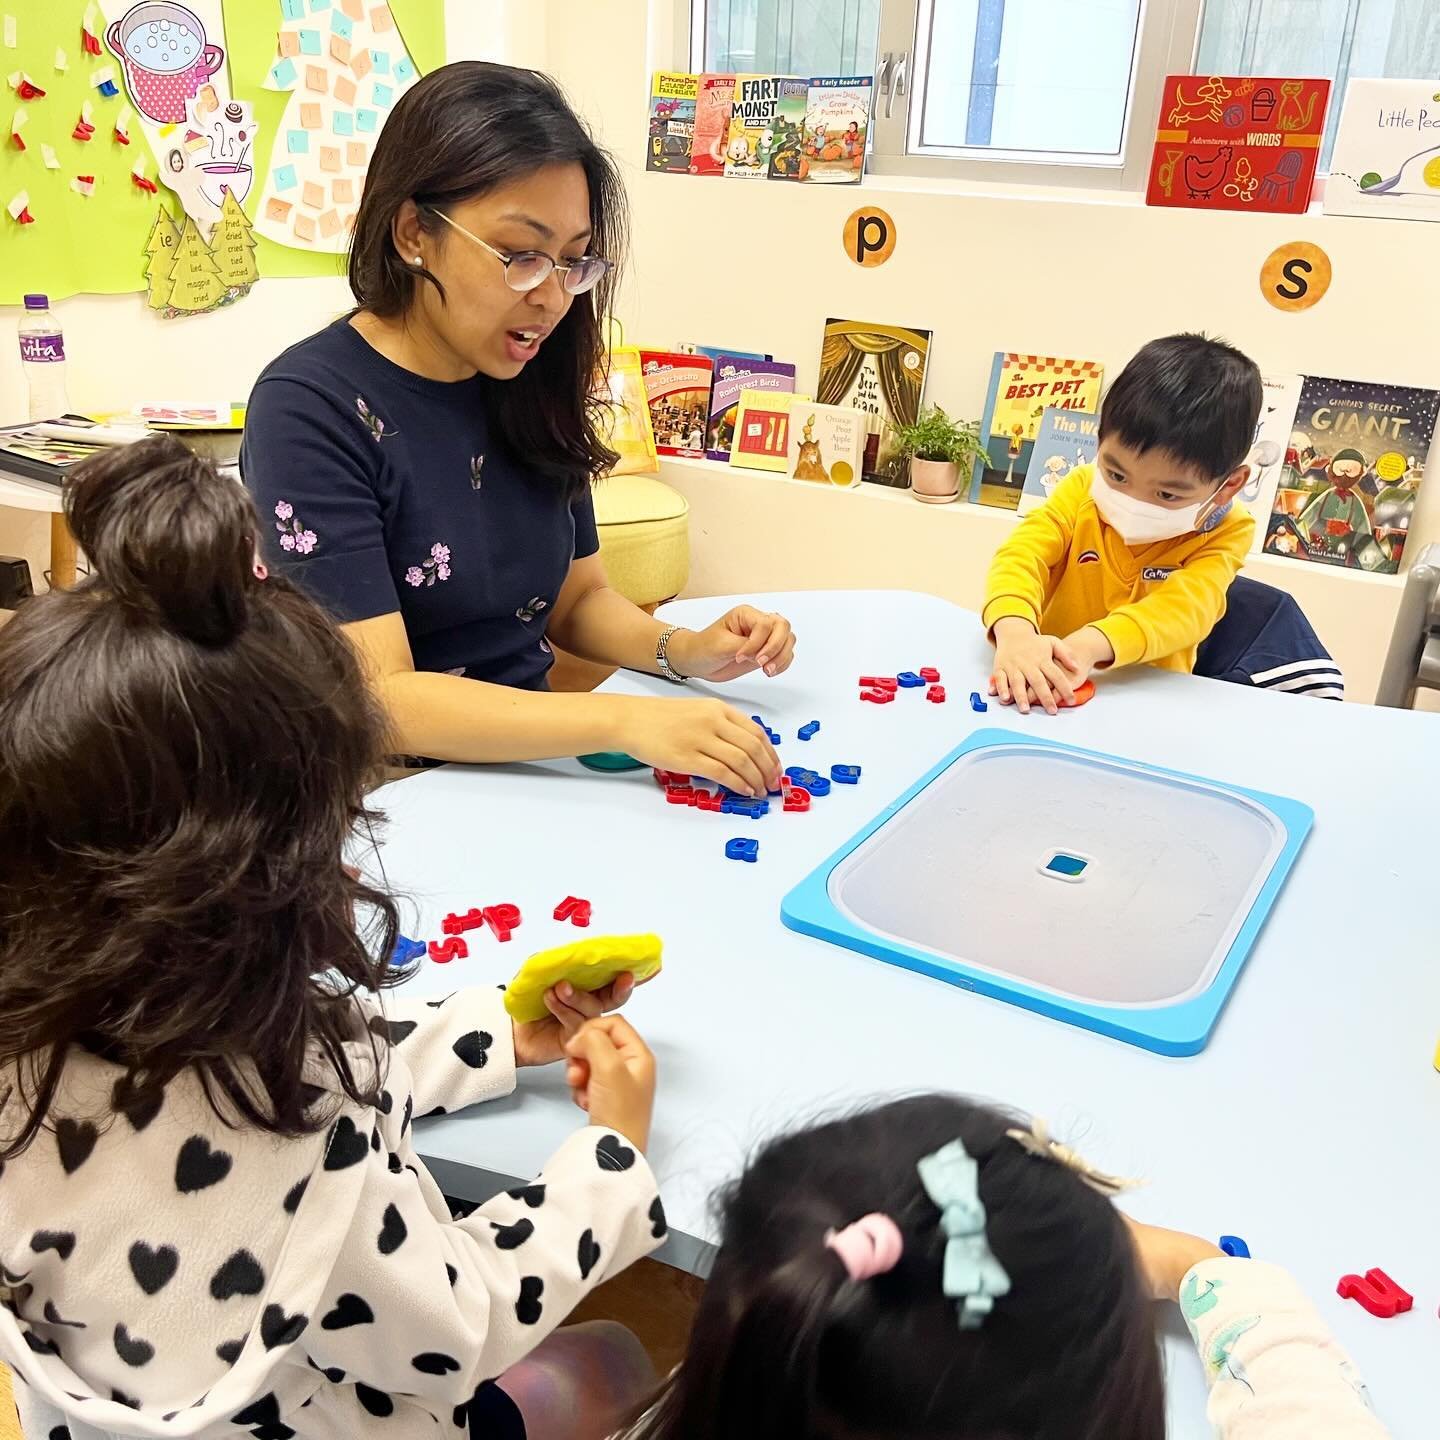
[(542, 1042), (1029, 664), (612, 1074)]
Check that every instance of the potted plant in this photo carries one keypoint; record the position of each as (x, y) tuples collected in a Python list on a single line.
[(940, 450)]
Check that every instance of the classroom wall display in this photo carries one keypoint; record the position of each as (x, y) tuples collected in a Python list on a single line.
[(1233, 142), (879, 369), (90, 163), (1386, 161), (1352, 471), (1281, 398), (344, 64), (188, 273), (1065, 439), (1022, 388)]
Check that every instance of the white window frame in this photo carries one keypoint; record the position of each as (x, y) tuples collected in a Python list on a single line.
[(1168, 39)]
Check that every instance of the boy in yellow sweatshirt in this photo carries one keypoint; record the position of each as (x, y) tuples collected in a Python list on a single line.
[(1130, 559)]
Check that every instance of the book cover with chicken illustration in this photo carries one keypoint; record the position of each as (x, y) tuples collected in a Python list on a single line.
[(1230, 142)]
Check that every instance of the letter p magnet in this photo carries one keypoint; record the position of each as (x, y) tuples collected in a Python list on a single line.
[(869, 237)]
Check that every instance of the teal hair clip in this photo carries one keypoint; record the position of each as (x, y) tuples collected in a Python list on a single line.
[(971, 1274)]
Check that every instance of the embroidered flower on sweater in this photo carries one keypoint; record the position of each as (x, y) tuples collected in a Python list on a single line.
[(532, 608), (293, 534), (435, 567), (373, 423), (477, 464)]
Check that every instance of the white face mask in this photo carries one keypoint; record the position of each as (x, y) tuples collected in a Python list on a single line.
[(1138, 521)]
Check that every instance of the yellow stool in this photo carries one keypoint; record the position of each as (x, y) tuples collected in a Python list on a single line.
[(644, 530)]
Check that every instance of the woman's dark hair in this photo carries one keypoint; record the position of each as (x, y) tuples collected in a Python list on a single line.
[(467, 129), (184, 749), (787, 1347)]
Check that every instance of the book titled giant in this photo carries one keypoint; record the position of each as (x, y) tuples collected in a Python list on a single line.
[(879, 369)]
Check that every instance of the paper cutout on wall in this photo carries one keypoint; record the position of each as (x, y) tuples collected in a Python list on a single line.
[(186, 276), (173, 60), (326, 57)]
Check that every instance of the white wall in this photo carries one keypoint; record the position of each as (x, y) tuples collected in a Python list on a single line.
[(762, 266)]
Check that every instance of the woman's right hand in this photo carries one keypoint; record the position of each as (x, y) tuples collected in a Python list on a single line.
[(611, 1074), (701, 737)]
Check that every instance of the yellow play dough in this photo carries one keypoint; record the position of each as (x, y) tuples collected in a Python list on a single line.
[(588, 965)]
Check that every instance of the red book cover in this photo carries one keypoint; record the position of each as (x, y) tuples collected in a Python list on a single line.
[(712, 124), (1230, 142), (678, 390)]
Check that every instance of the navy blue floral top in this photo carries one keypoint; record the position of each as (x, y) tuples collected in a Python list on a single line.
[(381, 491)]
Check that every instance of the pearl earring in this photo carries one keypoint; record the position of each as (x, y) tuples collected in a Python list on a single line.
[(418, 260)]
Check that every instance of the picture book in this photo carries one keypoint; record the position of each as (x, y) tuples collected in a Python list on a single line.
[(1022, 388), (1065, 439), (677, 388), (1351, 474), (629, 432), (879, 369), (733, 374), (787, 150), (762, 429), (827, 445), (716, 351), (1267, 454), (1386, 161), (714, 97), (753, 118), (1228, 142), (837, 126), (672, 122)]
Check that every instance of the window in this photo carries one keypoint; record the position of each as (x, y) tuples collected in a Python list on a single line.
[(1052, 91), (1396, 39)]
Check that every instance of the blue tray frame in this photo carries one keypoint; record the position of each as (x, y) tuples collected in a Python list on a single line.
[(1179, 1029)]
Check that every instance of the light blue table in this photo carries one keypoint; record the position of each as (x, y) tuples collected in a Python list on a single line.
[(1310, 1126)]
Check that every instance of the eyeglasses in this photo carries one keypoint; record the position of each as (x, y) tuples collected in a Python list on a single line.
[(527, 270)]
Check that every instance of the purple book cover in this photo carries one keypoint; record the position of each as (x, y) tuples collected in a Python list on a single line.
[(734, 373)]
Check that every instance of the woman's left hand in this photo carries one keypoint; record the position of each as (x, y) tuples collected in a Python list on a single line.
[(739, 643), (542, 1042)]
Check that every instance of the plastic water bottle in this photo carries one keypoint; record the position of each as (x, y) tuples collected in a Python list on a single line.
[(42, 356)]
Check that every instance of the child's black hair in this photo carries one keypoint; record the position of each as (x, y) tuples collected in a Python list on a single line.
[(1194, 398), (787, 1347), (184, 749)]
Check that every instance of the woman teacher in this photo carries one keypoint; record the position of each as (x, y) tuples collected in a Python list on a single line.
[(424, 465)]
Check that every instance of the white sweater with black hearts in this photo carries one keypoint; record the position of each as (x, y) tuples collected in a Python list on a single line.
[(165, 1275)]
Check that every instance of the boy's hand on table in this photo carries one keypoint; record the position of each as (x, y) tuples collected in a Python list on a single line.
[(543, 1042), (1090, 650), (1032, 668)]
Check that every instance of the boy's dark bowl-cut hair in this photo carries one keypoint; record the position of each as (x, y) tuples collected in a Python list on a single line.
[(1194, 398)]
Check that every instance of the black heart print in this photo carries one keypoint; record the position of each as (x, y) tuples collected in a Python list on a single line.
[(658, 1225), (512, 1237), (391, 1031), (377, 1402), (532, 1195), (39, 1346), (589, 1254), (472, 1048), (239, 1275), (153, 1269), (392, 1231), (229, 1352), (131, 1349), (139, 1111), (54, 1317), (295, 1195), (197, 1167), (347, 1145), (610, 1154), (62, 1242), (435, 1362), (264, 1411), (75, 1139), (349, 1310), (277, 1328), (409, 1113), (528, 1306)]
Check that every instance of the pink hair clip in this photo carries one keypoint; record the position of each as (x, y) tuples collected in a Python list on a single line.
[(871, 1246)]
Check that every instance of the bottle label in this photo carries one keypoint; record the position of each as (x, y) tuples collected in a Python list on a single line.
[(42, 347)]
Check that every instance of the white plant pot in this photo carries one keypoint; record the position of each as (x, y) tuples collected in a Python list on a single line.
[(935, 482)]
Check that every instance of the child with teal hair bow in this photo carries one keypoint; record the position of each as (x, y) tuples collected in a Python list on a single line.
[(937, 1268)]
